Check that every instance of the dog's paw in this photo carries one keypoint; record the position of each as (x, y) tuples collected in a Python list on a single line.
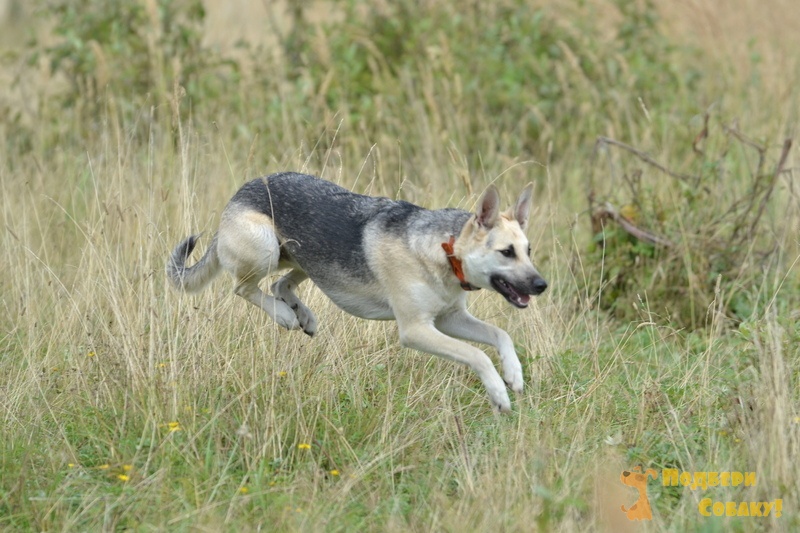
[(512, 375), (289, 323), (307, 320), (496, 389), (513, 380), (501, 405), (499, 398), (286, 318)]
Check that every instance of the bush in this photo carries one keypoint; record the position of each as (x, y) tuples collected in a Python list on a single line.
[(533, 71), (514, 70), (133, 51), (705, 248)]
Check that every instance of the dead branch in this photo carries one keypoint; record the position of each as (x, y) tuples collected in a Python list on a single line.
[(787, 145), (758, 187), (701, 136), (744, 139), (609, 212), (648, 159)]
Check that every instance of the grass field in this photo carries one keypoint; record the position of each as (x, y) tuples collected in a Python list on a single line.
[(128, 406)]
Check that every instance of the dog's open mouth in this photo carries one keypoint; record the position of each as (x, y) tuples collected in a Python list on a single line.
[(514, 295)]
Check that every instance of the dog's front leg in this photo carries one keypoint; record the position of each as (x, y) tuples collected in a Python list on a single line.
[(423, 336), (463, 325)]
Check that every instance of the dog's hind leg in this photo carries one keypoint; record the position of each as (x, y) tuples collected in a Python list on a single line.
[(248, 248), (283, 289), (278, 310), (462, 325)]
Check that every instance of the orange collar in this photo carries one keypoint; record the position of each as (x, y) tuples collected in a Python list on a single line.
[(455, 264)]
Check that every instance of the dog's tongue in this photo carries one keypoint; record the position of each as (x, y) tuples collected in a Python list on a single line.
[(518, 299)]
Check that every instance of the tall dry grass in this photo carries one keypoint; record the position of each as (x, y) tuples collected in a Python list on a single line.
[(127, 405)]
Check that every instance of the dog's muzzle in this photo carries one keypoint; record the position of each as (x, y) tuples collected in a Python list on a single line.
[(516, 293)]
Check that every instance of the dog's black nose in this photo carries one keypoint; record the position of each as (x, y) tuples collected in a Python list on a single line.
[(539, 285), (626, 473)]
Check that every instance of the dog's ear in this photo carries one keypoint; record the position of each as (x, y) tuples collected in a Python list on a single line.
[(522, 211), (488, 207)]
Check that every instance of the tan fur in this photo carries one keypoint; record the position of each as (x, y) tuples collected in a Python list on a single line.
[(430, 306), (248, 248)]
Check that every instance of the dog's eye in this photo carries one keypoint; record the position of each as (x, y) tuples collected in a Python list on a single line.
[(508, 252), (529, 250)]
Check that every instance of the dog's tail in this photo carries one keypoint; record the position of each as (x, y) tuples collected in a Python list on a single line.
[(197, 276)]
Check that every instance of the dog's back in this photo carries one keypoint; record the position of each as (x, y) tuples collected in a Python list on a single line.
[(322, 227), (319, 224)]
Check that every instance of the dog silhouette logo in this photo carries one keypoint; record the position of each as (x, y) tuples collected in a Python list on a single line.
[(641, 509)]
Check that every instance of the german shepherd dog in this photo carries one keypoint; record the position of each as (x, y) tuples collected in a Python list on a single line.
[(376, 258)]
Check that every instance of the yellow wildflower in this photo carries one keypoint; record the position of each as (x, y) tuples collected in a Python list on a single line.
[(244, 490), (90, 354), (282, 374), (334, 472), (71, 465), (103, 467), (122, 477), (127, 468), (304, 446), (174, 426)]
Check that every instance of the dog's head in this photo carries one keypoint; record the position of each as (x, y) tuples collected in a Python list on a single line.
[(495, 252)]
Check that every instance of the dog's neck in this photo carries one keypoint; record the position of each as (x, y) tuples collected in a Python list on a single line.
[(456, 266)]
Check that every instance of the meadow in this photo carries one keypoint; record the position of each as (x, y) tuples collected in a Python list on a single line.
[(126, 126)]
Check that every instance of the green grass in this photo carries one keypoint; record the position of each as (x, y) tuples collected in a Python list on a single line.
[(126, 405)]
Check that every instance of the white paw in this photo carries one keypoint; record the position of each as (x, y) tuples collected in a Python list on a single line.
[(512, 374), (501, 403), (286, 318), (498, 395)]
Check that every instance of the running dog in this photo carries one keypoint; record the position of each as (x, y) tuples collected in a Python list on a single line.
[(378, 259)]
